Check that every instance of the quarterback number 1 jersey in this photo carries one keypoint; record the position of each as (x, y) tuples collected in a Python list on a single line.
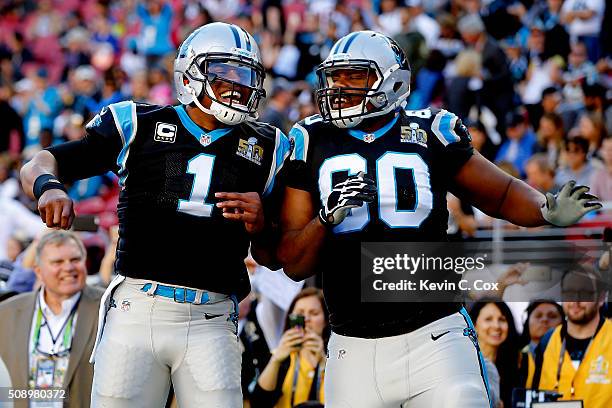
[(169, 169), (412, 159)]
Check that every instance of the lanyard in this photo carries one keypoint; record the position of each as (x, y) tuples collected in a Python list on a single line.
[(66, 329), (296, 372), (561, 358)]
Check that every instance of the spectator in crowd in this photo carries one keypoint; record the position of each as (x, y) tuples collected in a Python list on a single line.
[(47, 335), (429, 84), (578, 167), (42, 107), (465, 88), (154, 39), (497, 89), (542, 315), (601, 180), (9, 186), (579, 71), (85, 91), (391, 19), (592, 127), (255, 351), (295, 371), (11, 131), (516, 59), (574, 359), (76, 49), (540, 174), (520, 145), (423, 23), (551, 137), (583, 20), (276, 111), (498, 341), (22, 277), (14, 217)]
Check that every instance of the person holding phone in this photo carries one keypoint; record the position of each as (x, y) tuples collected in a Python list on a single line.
[(294, 373)]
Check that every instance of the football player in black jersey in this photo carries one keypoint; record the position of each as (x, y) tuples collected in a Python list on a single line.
[(192, 178), (385, 354)]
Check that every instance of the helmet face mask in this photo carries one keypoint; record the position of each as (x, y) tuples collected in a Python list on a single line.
[(219, 65), (346, 90), (369, 78), (231, 82)]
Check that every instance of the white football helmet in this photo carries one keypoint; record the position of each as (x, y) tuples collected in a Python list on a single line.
[(364, 52), (228, 54)]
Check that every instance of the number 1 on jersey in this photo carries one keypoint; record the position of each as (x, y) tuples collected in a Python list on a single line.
[(201, 167)]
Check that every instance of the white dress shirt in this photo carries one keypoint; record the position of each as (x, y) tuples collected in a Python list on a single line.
[(55, 322)]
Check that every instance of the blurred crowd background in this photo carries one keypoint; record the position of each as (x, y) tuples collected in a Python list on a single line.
[(531, 79)]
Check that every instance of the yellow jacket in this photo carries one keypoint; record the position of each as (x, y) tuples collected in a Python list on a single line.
[(592, 381)]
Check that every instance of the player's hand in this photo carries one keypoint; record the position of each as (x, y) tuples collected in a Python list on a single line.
[(245, 207), (351, 193), (290, 341), (56, 209), (569, 205), (314, 344)]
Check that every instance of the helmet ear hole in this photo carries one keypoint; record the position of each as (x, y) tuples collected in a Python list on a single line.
[(185, 80), (397, 86)]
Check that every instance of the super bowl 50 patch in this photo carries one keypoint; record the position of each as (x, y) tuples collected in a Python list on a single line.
[(250, 150), (413, 134)]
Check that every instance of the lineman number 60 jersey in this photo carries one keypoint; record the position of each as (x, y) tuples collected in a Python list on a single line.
[(412, 159)]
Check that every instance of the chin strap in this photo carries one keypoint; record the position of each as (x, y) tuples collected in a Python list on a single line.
[(199, 105)]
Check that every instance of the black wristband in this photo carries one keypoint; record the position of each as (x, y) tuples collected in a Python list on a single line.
[(46, 182)]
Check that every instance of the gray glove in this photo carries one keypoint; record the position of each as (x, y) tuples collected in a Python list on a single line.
[(569, 205)]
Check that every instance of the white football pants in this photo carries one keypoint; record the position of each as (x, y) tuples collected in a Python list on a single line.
[(149, 340), (435, 366)]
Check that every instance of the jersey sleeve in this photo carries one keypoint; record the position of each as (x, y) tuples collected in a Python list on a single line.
[(282, 150), (455, 139), (108, 135), (298, 174)]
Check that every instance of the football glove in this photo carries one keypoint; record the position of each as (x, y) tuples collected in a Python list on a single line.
[(569, 205), (351, 193)]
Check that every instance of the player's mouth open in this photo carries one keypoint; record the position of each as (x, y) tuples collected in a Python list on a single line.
[(340, 102), (229, 96)]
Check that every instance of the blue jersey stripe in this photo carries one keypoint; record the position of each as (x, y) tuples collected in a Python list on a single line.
[(297, 135), (360, 134), (196, 130), (124, 114), (236, 37), (282, 150), (483, 367)]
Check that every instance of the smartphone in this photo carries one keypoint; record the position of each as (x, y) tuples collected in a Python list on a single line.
[(85, 223), (296, 320)]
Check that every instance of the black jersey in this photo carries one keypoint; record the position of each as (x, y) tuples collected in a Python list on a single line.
[(412, 160), (169, 171)]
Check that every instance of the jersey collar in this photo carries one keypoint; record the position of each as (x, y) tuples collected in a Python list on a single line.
[(369, 137), (202, 136)]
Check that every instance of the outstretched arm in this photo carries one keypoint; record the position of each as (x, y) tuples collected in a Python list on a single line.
[(503, 196)]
